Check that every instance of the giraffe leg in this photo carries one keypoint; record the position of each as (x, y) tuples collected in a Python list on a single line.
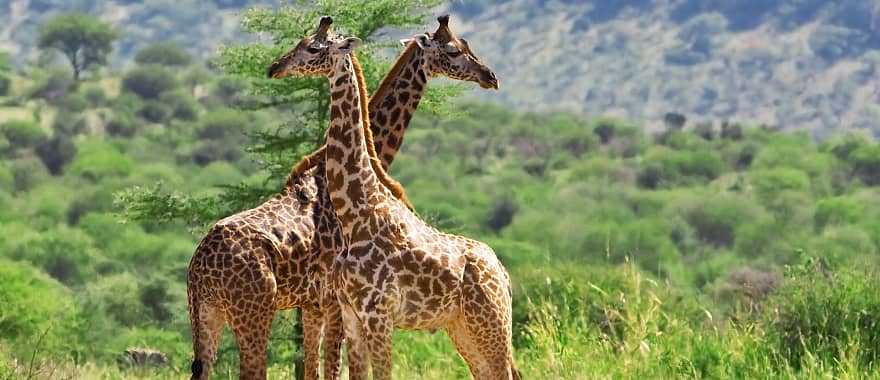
[(333, 335), (312, 325), (252, 334), (483, 334), (251, 319), (461, 339), (207, 323), (377, 339), (358, 361)]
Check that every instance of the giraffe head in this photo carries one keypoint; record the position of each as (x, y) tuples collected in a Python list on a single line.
[(314, 55), (448, 55)]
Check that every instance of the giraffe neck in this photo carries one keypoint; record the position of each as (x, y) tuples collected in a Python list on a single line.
[(352, 181), (395, 102)]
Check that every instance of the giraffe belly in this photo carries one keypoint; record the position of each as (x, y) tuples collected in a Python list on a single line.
[(429, 292)]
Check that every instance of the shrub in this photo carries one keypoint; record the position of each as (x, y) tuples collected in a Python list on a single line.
[(182, 105), (97, 160), (116, 297), (866, 162), (122, 124), (154, 111), (95, 95), (501, 214), (65, 254), (163, 53), (33, 305), (837, 211), (5, 85), (57, 153), (23, 134), (51, 85), (73, 102), (28, 173), (825, 315), (149, 82), (715, 219), (769, 183)]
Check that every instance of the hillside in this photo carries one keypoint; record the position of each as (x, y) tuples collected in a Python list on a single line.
[(793, 63), (797, 64)]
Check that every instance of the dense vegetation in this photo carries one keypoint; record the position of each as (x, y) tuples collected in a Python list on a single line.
[(703, 250)]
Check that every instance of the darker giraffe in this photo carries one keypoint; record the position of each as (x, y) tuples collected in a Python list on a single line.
[(291, 239), (396, 270)]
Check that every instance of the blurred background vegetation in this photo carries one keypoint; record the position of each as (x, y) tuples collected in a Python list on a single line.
[(661, 245)]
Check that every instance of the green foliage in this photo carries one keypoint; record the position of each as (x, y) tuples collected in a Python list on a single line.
[(84, 40), (163, 53), (827, 317), (149, 82), (37, 311), (65, 254), (23, 134), (97, 160), (5, 85)]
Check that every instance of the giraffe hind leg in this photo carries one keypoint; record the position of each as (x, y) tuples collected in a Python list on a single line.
[(483, 334)]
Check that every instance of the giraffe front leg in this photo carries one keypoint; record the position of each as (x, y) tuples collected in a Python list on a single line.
[(377, 339), (333, 336), (313, 323), (358, 357)]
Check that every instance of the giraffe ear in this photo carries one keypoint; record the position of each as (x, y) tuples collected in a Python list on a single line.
[(405, 41), (348, 45), (423, 41)]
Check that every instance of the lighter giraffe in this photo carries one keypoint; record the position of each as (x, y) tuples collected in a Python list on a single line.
[(397, 271), (298, 229)]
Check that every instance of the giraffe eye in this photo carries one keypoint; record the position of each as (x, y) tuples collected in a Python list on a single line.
[(301, 196), (452, 50), (312, 50)]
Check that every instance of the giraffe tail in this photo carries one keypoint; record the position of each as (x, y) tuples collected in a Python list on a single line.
[(197, 367)]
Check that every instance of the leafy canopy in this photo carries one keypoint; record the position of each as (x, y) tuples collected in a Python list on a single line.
[(84, 40)]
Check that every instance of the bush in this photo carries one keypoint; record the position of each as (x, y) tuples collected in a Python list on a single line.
[(23, 134), (826, 315), (28, 173), (838, 211), (52, 85), (5, 85), (116, 297), (95, 95), (149, 82), (97, 160), (154, 111), (182, 105), (57, 153), (866, 162), (33, 305), (715, 219), (163, 53), (65, 254), (122, 124)]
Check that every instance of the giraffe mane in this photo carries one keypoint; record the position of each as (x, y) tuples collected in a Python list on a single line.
[(398, 66), (315, 157), (395, 187)]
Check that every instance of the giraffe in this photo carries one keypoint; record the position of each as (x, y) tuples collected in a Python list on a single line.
[(296, 233), (396, 270)]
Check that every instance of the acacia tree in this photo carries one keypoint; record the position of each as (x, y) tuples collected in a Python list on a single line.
[(301, 104), (84, 40)]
